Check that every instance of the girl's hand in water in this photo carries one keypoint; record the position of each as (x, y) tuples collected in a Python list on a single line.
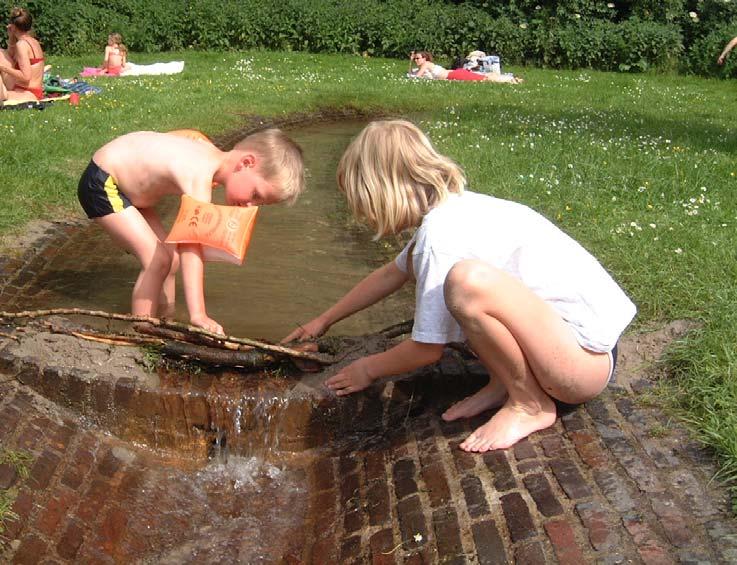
[(350, 379), (207, 323)]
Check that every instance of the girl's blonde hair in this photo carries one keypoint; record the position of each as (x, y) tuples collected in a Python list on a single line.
[(392, 176)]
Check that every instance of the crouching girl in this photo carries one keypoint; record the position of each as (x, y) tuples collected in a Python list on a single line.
[(540, 312)]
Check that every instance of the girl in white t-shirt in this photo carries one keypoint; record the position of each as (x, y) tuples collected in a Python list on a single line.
[(539, 311)]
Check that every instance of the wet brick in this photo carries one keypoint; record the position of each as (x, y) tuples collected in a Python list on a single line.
[(519, 520), (447, 534), (382, 544), (473, 492), (22, 507), (30, 438), (436, 485), (43, 469), (109, 464), (8, 476), (54, 510), (71, 539), (324, 508), (561, 536), (543, 495), (322, 474), (347, 465), (324, 551), (31, 550), (404, 478), (570, 479), (411, 519), (350, 549), (377, 493), (94, 499), (489, 544), (78, 467), (602, 535), (352, 520), (113, 528), (498, 463), (60, 437), (124, 394)]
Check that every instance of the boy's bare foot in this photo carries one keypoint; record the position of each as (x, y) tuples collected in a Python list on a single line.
[(511, 424), (491, 396)]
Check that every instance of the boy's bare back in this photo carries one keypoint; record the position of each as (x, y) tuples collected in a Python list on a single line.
[(148, 165)]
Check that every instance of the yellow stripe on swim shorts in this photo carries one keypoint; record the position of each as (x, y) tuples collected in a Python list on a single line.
[(113, 196)]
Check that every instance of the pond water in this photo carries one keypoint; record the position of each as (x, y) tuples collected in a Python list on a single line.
[(300, 261)]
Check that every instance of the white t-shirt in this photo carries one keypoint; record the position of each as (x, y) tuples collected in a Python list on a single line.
[(524, 244)]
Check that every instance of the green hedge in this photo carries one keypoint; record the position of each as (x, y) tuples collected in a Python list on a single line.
[(632, 36)]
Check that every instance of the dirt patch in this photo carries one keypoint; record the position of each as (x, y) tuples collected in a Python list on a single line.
[(639, 353)]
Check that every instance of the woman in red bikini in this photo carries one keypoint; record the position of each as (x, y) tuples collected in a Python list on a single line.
[(22, 64)]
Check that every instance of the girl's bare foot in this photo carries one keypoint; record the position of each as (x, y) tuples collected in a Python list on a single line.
[(511, 424), (491, 396)]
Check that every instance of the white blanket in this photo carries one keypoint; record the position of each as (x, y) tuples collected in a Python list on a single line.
[(171, 68)]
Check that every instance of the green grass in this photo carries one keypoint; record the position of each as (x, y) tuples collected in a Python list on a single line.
[(639, 168), (20, 460)]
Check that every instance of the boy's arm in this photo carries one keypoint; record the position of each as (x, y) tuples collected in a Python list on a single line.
[(193, 272), (402, 358), (379, 284)]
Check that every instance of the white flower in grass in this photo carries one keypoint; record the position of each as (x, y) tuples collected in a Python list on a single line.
[(610, 5), (678, 251), (523, 26)]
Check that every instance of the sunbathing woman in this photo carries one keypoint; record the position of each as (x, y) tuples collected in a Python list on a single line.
[(429, 69), (22, 64)]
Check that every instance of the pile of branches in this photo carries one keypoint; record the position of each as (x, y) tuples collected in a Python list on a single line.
[(193, 343)]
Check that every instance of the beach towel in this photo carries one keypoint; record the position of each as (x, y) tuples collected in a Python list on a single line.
[(134, 70), (32, 104)]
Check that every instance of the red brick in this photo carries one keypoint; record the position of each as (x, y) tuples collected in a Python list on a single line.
[(524, 450), (54, 510), (602, 535), (570, 478), (71, 539), (411, 521), (530, 553), (564, 542), (350, 549), (404, 478), (383, 548), (43, 469), (499, 464), (589, 449), (650, 548), (553, 445), (473, 492), (31, 550), (377, 495), (436, 484), (447, 534), (22, 507)]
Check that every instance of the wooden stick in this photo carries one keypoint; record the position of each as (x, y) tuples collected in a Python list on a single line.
[(163, 322)]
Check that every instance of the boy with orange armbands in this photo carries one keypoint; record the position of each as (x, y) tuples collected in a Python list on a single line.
[(130, 174)]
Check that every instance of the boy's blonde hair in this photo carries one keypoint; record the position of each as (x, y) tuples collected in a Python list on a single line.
[(280, 161), (392, 176)]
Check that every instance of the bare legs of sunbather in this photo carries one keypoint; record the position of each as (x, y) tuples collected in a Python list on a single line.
[(527, 347)]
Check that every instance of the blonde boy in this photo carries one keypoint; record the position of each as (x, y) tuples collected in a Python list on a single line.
[(130, 174)]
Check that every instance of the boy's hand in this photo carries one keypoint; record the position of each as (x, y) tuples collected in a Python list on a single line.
[(208, 324), (351, 379), (311, 330)]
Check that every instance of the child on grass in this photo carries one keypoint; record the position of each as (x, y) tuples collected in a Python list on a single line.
[(129, 175), (116, 55), (541, 314)]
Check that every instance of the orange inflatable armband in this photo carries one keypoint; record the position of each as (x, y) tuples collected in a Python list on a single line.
[(223, 231), (191, 134)]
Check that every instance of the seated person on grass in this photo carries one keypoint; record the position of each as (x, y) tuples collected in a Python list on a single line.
[(429, 69), (130, 174), (22, 63), (539, 311)]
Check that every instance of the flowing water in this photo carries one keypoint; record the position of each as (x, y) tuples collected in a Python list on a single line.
[(300, 261)]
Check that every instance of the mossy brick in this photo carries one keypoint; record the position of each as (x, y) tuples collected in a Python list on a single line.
[(22, 508), (490, 548)]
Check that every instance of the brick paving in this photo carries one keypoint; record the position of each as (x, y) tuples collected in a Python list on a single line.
[(374, 478)]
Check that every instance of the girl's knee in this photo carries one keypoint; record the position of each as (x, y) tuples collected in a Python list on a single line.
[(467, 282)]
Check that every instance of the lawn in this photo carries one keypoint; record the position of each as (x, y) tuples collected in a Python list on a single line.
[(639, 168)]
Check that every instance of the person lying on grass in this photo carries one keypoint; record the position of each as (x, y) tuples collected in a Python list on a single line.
[(427, 68), (540, 312), (130, 174)]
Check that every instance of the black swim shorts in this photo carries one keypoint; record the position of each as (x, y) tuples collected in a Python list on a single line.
[(99, 194)]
